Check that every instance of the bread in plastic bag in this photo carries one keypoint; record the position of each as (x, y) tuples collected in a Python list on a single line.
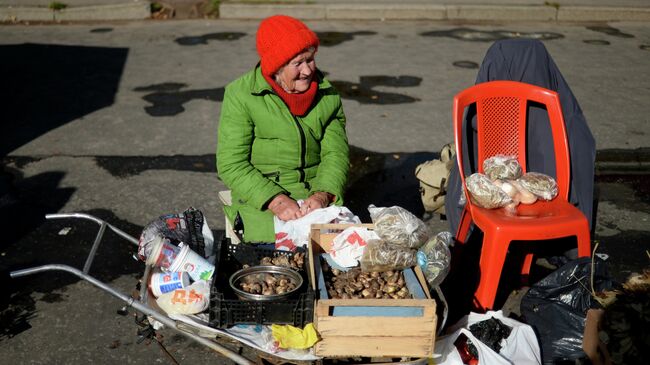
[(484, 193), (380, 255), (434, 258), (543, 186), (190, 300), (524, 196), (516, 192), (502, 167), (399, 227)]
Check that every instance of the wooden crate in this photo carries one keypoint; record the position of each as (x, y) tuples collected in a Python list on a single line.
[(378, 334)]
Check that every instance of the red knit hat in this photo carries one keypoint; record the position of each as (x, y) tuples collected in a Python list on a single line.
[(279, 39)]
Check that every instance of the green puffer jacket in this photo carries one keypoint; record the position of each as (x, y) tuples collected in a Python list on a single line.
[(263, 150)]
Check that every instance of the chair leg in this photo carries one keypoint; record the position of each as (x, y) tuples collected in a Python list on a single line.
[(493, 256), (528, 262), (463, 227)]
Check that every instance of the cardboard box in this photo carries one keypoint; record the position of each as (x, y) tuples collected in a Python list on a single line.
[(370, 327)]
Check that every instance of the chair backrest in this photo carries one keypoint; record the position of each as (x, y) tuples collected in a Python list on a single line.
[(501, 110)]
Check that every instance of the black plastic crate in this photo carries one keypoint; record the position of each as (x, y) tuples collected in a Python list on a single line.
[(227, 310)]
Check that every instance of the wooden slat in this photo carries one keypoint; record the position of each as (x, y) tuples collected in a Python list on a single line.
[(312, 257), (315, 239), (340, 226), (377, 303), (326, 240), (373, 326), (322, 310), (375, 346), (423, 281)]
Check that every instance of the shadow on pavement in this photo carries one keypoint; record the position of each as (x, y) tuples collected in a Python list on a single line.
[(384, 179), (45, 86)]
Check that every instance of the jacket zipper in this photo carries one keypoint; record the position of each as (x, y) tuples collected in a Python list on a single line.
[(303, 143), (303, 149)]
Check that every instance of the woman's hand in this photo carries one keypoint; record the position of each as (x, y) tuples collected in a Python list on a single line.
[(285, 208), (318, 200)]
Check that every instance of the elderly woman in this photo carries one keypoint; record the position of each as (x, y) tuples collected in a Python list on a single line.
[(281, 133)]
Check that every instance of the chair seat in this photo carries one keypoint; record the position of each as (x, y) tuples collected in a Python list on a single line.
[(541, 220)]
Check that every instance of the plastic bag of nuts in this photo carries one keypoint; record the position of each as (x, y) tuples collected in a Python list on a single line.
[(380, 255), (399, 226)]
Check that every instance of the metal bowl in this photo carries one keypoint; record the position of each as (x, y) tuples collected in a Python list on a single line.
[(264, 269)]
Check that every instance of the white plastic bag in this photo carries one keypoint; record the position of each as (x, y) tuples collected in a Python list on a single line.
[(255, 336), (261, 337), (295, 233), (520, 348), (193, 299), (348, 246)]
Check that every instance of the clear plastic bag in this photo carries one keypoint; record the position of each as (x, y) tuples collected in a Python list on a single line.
[(502, 167), (434, 258), (380, 255), (543, 186), (484, 193), (399, 227)]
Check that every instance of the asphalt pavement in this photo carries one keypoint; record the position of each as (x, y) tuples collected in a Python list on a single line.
[(119, 119)]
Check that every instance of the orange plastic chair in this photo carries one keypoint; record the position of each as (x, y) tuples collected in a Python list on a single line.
[(501, 129)]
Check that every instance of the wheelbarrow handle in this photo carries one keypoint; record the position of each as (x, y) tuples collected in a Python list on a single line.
[(145, 309), (100, 234), (96, 220)]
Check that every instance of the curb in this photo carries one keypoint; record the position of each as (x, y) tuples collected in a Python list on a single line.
[(434, 12), (623, 162), (139, 10), (131, 11)]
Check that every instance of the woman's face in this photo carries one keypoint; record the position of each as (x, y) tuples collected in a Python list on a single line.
[(296, 75)]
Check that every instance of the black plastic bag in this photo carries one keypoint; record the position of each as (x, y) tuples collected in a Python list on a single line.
[(491, 332), (189, 227), (556, 307)]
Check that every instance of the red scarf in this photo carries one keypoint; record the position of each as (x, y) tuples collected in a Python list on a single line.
[(298, 103)]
